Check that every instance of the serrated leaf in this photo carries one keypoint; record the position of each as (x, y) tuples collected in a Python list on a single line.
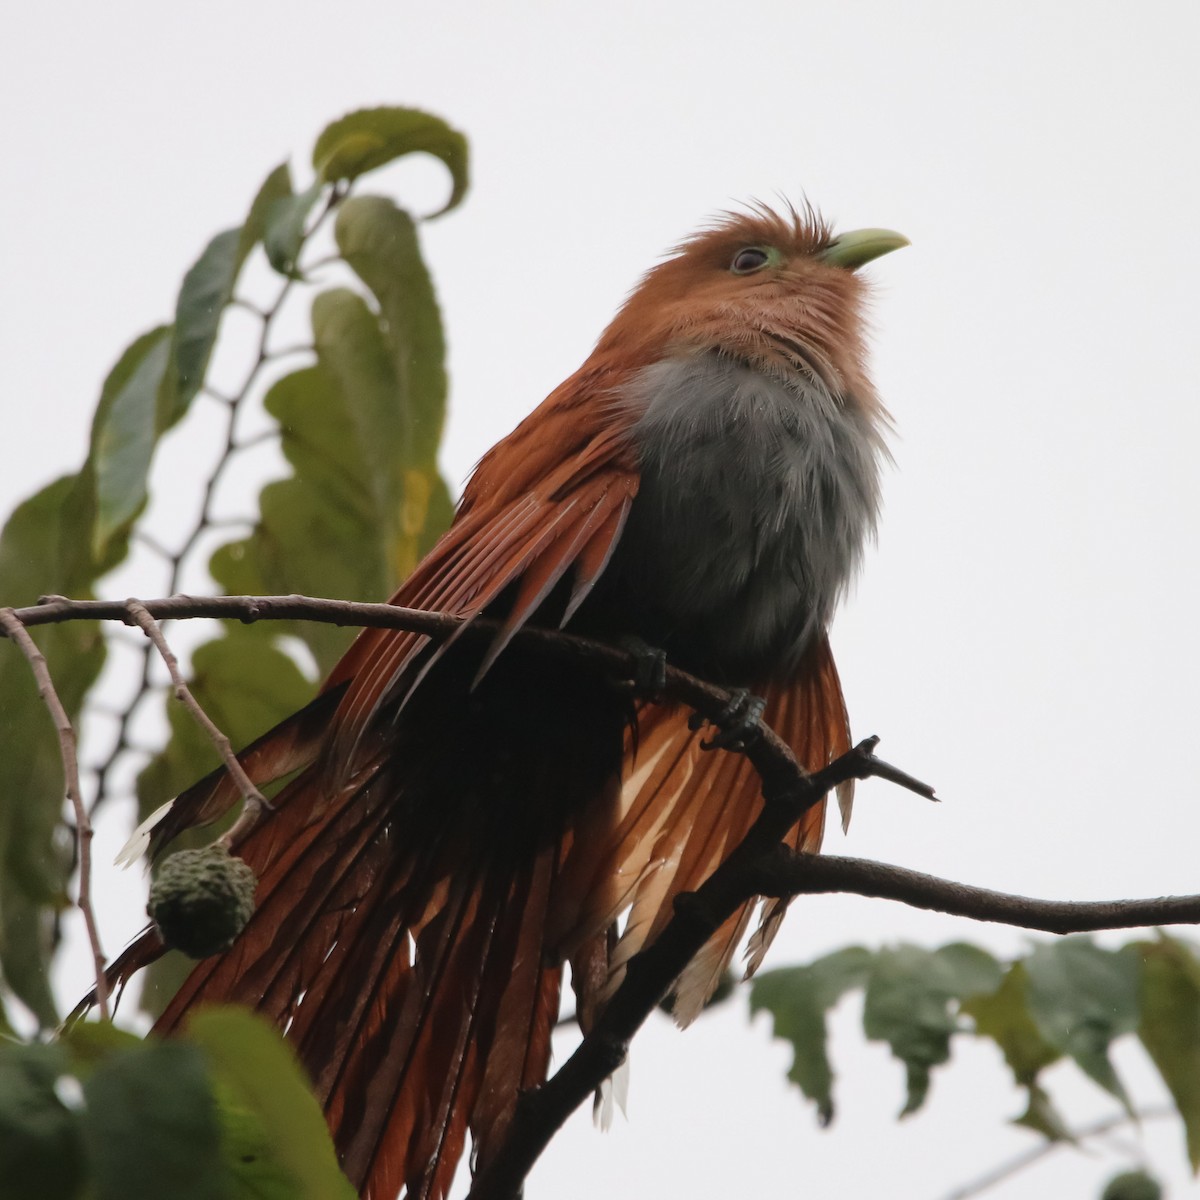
[(206, 291), (283, 235), (1082, 997), (277, 187), (254, 1061), (151, 1126), (1004, 1017), (798, 999), (1170, 1027), (1042, 1117), (908, 1005), (41, 1142), (364, 140), (124, 435)]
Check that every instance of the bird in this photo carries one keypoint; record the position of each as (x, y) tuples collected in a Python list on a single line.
[(464, 820)]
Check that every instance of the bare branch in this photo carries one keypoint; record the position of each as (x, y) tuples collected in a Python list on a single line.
[(68, 747), (783, 872), (255, 801)]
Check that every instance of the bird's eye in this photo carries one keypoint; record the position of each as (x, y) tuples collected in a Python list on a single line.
[(752, 258)]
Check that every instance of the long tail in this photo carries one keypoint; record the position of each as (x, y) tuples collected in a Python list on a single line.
[(401, 930), (412, 918)]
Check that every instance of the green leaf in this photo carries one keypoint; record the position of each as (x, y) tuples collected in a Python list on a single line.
[(364, 140), (91, 1043), (908, 1005), (253, 1060), (971, 970), (249, 1154), (39, 551), (152, 1128), (1042, 1117), (380, 243), (283, 236), (1004, 1017), (317, 532), (41, 1143), (1082, 997), (124, 435), (355, 516), (798, 999), (1170, 1026), (206, 291), (351, 347), (276, 188)]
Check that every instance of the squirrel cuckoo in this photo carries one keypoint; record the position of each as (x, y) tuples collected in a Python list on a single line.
[(465, 821)]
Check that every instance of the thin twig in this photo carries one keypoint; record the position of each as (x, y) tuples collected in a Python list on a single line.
[(255, 801), (1027, 1158), (69, 749)]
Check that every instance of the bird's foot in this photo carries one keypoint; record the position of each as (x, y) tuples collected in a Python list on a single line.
[(738, 723), (649, 677)]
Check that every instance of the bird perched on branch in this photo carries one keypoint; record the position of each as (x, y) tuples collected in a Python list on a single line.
[(465, 819)]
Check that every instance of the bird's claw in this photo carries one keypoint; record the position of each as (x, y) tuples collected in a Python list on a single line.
[(649, 666), (738, 723)]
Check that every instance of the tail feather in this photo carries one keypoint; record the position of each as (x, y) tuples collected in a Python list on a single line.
[(412, 918), (680, 812)]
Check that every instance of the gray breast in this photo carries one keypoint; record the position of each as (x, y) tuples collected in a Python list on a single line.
[(756, 499)]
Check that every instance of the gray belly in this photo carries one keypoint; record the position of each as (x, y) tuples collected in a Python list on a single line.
[(756, 499)]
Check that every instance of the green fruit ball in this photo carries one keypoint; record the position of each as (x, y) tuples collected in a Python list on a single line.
[(201, 900)]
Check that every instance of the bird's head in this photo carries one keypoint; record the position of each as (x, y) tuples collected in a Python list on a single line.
[(779, 291)]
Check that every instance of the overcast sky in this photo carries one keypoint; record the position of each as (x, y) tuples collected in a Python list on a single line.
[(1024, 636)]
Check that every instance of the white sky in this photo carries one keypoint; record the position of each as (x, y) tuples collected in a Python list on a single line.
[(1025, 635)]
